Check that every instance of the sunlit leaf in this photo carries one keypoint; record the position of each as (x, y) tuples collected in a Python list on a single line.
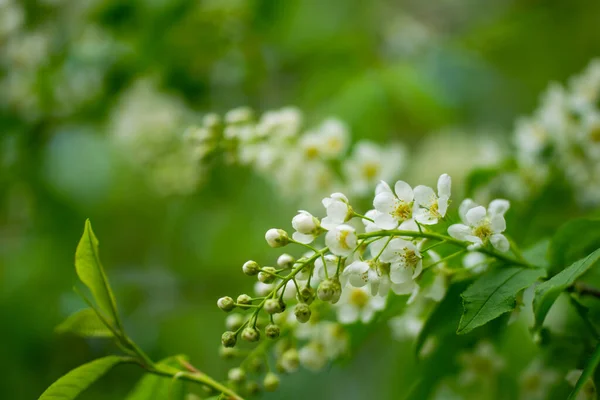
[(76, 381), (90, 271), (84, 323), (494, 294), (547, 293)]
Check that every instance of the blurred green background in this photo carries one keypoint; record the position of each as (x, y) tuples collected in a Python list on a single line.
[(405, 70)]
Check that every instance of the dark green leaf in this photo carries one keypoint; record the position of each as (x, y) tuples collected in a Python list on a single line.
[(90, 271), (538, 253), (76, 381), (84, 323), (587, 373), (152, 386), (494, 294), (573, 241), (547, 293)]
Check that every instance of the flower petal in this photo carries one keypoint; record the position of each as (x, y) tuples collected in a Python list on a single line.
[(302, 238), (500, 242), (347, 313), (424, 217), (400, 274), (498, 207), (403, 191), (459, 231), (444, 185), (383, 187), (443, 205), (498, 223), (384, 202), (424, 196), (385, 221), (476, 215), (465, 206)]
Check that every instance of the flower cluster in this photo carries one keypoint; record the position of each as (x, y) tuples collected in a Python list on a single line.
[(305, 301), (301, 162), (563, 136)]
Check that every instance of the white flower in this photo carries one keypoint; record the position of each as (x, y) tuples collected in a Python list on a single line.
[(341, 240), (480, 365), (372, 273), (481, 226), (393, 208), (312, 356), (405, 259), (406, 326), (338, 210), (431, 207), (307, 227), (284, 123), (357, 304)]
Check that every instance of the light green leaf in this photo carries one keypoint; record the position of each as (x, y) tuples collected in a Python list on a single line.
[(538, 253), (547, 293), (90, 272), (84, 323), (494, 294), (76, 381), (159, 387)]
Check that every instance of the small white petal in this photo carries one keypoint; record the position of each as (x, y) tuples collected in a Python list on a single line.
[(400, 274), (498, 206), (443, 205), (459, 231), (302, 238), (424, 217), (403, 191), (384, 202), (383, 187), (498, 223), (476, 215), (409, 225), (465, 206), (347, 314), (444, 185), (385, 221), (418, 269), (500, 242), (424, 196)]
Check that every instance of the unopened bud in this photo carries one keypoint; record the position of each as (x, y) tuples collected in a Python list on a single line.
[(271, 382), (251, 268), (306, 295), (277, 237), (228, 339), (285, 261), (267, 275), (272, 331), (226, 303), (290, 360), (250, 334), (329, 290), (227, 353), (274, 306), (305, 223), (244, 300), (302, 312)]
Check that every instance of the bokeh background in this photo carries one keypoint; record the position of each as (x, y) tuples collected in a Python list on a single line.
[(447, 78)]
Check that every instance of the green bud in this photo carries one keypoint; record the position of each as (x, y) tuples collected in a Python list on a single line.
[(272, 331), (250, 334), (267, 275), (244, 299), (271, 382), (226, 303), (274, 306), (337, 292), (251, 268), (227, 353), (228, 339), (306, 295), (326, 290), (290, 361), (302, 312), (237, 375), (277, 237), (285, 261)]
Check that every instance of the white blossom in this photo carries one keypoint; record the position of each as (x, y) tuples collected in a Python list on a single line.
[(405, 259), (356, 304), (341, 240), (480, 226), (307, 227), (393, 207), (371, 273), (432, 207), (338, 210)]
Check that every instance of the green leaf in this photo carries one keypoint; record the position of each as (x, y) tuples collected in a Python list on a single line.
[(574, 240), (84, 323), (90, 272), (587, 373), (537, 254), (547, 293), (494, 294), (159, 387), (480, 177), (76, 381)]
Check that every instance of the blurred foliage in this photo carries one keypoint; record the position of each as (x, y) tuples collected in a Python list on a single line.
[(391, 70)]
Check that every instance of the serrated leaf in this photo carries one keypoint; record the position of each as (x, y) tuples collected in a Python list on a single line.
[(494, 294), (76, 381), (151, 386), (547, 293), (574, 240), (90, 272), (84, 323)]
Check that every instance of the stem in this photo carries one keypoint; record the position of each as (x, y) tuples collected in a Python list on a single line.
[(196, 377), (450, 240), (362, 216)]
